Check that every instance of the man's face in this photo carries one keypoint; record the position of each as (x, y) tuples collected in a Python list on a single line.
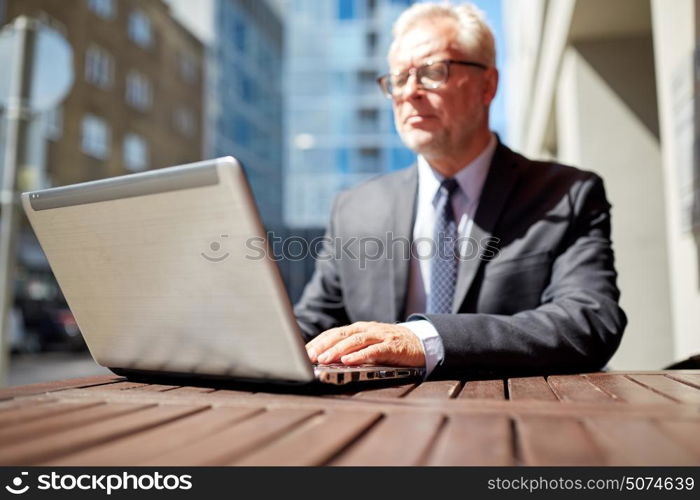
[(439, 122)]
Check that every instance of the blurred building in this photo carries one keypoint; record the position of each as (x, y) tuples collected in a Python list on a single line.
[(609, 87), (339, 125), (244, 104), (244, 107), (137, 98), (136, 103)]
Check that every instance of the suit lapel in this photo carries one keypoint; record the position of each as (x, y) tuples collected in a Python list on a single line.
[(499, 183), (403, 215)]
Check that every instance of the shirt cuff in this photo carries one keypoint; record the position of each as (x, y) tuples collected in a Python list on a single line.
[(432, 343)]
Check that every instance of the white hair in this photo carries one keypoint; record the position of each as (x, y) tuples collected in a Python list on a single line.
[(474, 34)]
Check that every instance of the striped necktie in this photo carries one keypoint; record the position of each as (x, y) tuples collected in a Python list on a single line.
[(443, 266)]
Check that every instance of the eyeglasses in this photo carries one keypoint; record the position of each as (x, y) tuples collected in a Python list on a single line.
[(431, 75)]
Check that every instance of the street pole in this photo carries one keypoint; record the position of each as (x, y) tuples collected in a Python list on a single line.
[(17, 124)]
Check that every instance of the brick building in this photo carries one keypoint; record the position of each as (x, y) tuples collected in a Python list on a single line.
[(137, 97)]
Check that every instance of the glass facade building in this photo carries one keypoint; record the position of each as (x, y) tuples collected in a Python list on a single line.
[(339, 126), (244, 98)]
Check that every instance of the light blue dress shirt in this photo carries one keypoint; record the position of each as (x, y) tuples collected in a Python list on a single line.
[(465, 202)]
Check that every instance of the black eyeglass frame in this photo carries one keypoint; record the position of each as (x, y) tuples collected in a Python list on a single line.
[(382, 81)]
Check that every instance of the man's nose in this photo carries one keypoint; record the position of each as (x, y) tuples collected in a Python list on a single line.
[(412, 86)]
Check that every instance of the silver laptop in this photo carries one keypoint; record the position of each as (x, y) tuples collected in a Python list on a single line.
[(164, 273)]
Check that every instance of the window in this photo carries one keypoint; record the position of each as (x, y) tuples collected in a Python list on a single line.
[(367, 81), (372, 41), (369, 160), (342, 160), (346, 9), (247, 89), (265, 60), (185, 122), (95, 137), (371, 6), (99, 67), (54, 123), (368, 121), (103, 8), (239, 35), (140, 29), (241, 131), (138, 91), (135, 152), (369, 115), (188, 68)]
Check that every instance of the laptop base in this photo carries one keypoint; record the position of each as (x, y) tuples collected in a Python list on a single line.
[(261, 385)]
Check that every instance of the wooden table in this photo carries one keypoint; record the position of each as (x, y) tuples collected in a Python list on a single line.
[(630, 418)]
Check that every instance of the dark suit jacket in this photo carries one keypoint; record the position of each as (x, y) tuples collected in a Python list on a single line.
[(540, 297)]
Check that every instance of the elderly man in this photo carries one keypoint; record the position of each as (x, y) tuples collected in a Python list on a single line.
[(520, 277)]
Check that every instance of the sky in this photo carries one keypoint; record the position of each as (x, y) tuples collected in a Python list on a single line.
[(196, 16)]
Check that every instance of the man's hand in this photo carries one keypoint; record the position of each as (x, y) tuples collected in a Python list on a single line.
[(367, 343)]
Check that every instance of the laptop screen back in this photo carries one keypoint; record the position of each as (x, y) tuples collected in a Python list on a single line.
[(167, 271)]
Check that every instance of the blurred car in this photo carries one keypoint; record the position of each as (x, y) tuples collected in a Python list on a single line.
[(52, 326), (47, 322)]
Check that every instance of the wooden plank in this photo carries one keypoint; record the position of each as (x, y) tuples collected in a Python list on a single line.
[(684, 432), (695, 373), (233, 442), (156, 441), (646, 372), (72, 420), (621, 387), (555, 441), (316, 442), (42, 449), (25, 414), (483, 389), (28, 390), (636, 442), (191, 389), (397, 391), (530, 388), (23, 402), (578, 388), (690, 379), (474, 440), (118, 386), (398, 439), (441, 389), (155, 388), (227, 394), (674, 389)]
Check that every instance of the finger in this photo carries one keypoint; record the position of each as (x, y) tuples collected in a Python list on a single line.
[(329, 338), (374, 354), (348, 345), (324, 340)]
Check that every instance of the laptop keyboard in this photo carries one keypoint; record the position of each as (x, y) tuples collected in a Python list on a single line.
[(339, 366)]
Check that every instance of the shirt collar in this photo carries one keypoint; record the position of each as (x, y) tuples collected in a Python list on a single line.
[(471, 177)]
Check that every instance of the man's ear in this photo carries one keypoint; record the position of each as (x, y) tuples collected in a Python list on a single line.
[(490, 85)]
